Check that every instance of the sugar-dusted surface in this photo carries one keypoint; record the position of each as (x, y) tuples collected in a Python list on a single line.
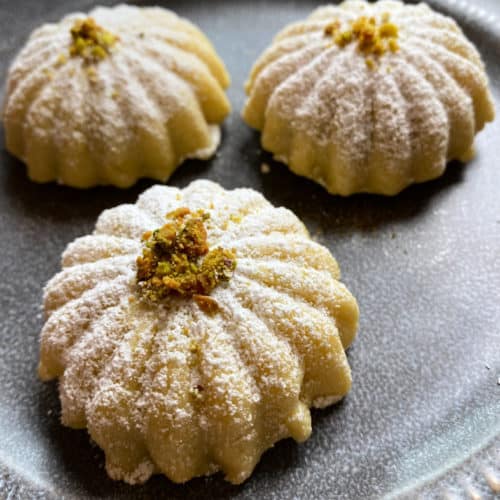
[(423, 266), (165, 387), (155, 98), (355, 122)]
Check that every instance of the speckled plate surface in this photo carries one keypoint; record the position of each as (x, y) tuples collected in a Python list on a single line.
[(423, 418)]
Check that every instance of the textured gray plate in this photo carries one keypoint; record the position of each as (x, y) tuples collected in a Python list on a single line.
[(424, 412)]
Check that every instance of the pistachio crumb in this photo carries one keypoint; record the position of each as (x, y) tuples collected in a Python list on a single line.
[(393, 45), (265, 168), (344, 38), (91, 74), (331, 28), (207, 304), (61, 59)]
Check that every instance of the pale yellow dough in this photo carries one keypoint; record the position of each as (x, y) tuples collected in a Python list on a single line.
[(131, 372), (156, 99), (356, 122)]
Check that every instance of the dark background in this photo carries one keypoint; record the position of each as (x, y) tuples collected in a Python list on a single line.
[(423, 265)]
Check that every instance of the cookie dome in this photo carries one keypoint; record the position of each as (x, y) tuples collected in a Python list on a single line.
[(369, 97), (122, 93), (184, 366)]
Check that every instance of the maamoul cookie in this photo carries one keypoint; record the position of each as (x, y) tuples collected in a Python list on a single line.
[(369, 96), (122, 93), (193, 330)]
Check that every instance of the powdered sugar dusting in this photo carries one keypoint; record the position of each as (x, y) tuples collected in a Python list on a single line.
[(154, 100), (356, 125), (168, 388)]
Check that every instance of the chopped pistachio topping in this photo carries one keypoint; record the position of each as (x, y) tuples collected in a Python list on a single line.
[(206, 304), (372, 38), (176, 261), (90, 41), (61, 59)]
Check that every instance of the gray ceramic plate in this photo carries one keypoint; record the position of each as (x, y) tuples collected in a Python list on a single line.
[(424, 413)]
